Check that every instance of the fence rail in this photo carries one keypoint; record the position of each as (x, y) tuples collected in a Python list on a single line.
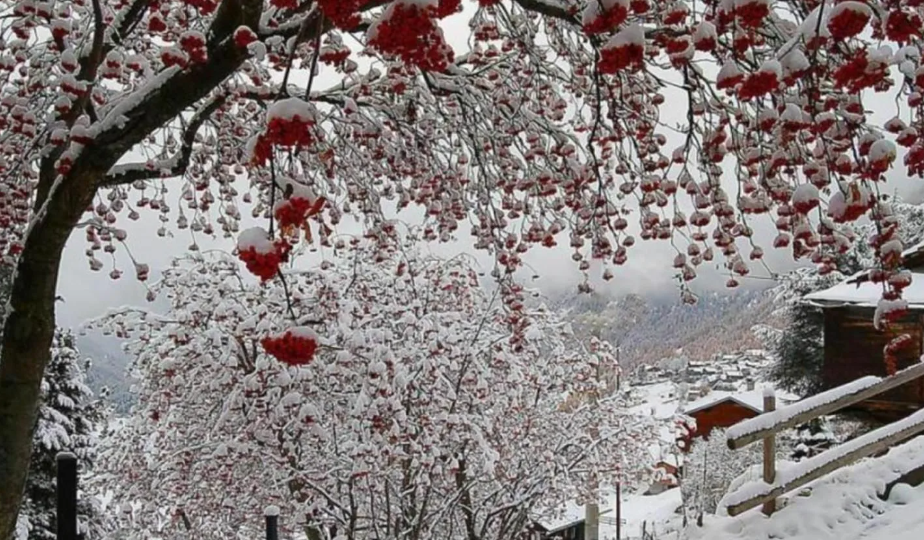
[(821, 404), (765, 427)]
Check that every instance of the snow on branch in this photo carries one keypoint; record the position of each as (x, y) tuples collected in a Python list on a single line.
[(174, 166)]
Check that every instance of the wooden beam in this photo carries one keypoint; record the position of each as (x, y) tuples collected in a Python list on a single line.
[(833, 459), (743, 434)]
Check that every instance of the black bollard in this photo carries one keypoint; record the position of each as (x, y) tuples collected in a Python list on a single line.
[(271, 513), (67, 496)]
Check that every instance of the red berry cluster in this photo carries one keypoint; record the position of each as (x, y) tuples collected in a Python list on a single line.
[(411, 33), (171, 56), (289, 132), (752, 14), (606, 19), (194, 45), (758, 84), (265, 265), (291, 348), (244, 36), (859, 73), (334, 55), (295, 210), (903, 26), (847, 23), (616, 59), (156, 23), (343, 13), (892, 349), (914, 160)]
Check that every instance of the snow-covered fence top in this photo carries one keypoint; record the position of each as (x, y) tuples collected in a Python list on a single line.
[(765, 427), (754, 494), (761, 427)]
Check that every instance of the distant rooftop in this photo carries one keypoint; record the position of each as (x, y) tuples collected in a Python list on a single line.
[(752, 399)]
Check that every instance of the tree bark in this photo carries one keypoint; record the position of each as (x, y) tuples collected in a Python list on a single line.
[(27, 336)]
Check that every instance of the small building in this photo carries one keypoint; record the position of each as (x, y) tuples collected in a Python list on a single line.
[(569, 524), (853, 346), (723, 410)]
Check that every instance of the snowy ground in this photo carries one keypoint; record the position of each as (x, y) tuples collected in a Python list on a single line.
[(842, 506), (648, 512)]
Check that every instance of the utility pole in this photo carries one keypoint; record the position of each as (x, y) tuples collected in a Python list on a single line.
[(618, 508)]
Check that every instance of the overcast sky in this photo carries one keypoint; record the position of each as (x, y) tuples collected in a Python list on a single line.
[(89, 294)]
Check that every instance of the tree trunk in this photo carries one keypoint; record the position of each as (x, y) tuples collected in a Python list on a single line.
[(27, 337)]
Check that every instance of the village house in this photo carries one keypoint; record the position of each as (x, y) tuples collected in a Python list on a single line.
[(721, 410)]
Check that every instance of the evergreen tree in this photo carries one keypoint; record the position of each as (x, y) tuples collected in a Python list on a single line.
[(812, 438), (800, 352), (68, 420)]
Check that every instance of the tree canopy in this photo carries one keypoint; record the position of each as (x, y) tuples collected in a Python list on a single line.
[(416, 416), (547, 121)]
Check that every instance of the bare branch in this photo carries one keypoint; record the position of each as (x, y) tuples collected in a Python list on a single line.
[(175, 166), (549, 9)]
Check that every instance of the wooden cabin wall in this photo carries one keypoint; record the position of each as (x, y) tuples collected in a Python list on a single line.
[(854, 349)]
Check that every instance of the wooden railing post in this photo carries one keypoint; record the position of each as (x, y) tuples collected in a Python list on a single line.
[(66, 493), (271, 513), (769, 450)]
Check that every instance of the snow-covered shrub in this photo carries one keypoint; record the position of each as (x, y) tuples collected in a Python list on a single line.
[(711, 469), (419, 414)]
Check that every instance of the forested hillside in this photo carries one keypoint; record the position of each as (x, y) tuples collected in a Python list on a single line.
[(649, 329)]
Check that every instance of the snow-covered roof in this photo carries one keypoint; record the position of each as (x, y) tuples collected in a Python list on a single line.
[(857, 290), (637, 509), (866, 293), (752, 399), (569, 514)]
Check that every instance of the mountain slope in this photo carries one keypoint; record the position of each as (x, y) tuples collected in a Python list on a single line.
[(647, 330)]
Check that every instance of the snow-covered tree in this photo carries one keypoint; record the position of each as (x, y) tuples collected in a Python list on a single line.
[(70, 417), (532, 122), (398, 405), (812, 438), (710, 467)]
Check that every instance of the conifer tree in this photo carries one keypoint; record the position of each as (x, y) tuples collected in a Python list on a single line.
[(69, 418)]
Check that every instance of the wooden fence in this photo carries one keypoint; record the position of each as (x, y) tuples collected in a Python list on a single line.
[(765, 427), (66, 503)]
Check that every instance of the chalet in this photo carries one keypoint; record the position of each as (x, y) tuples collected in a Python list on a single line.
[(853, 346), (723, 410)]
